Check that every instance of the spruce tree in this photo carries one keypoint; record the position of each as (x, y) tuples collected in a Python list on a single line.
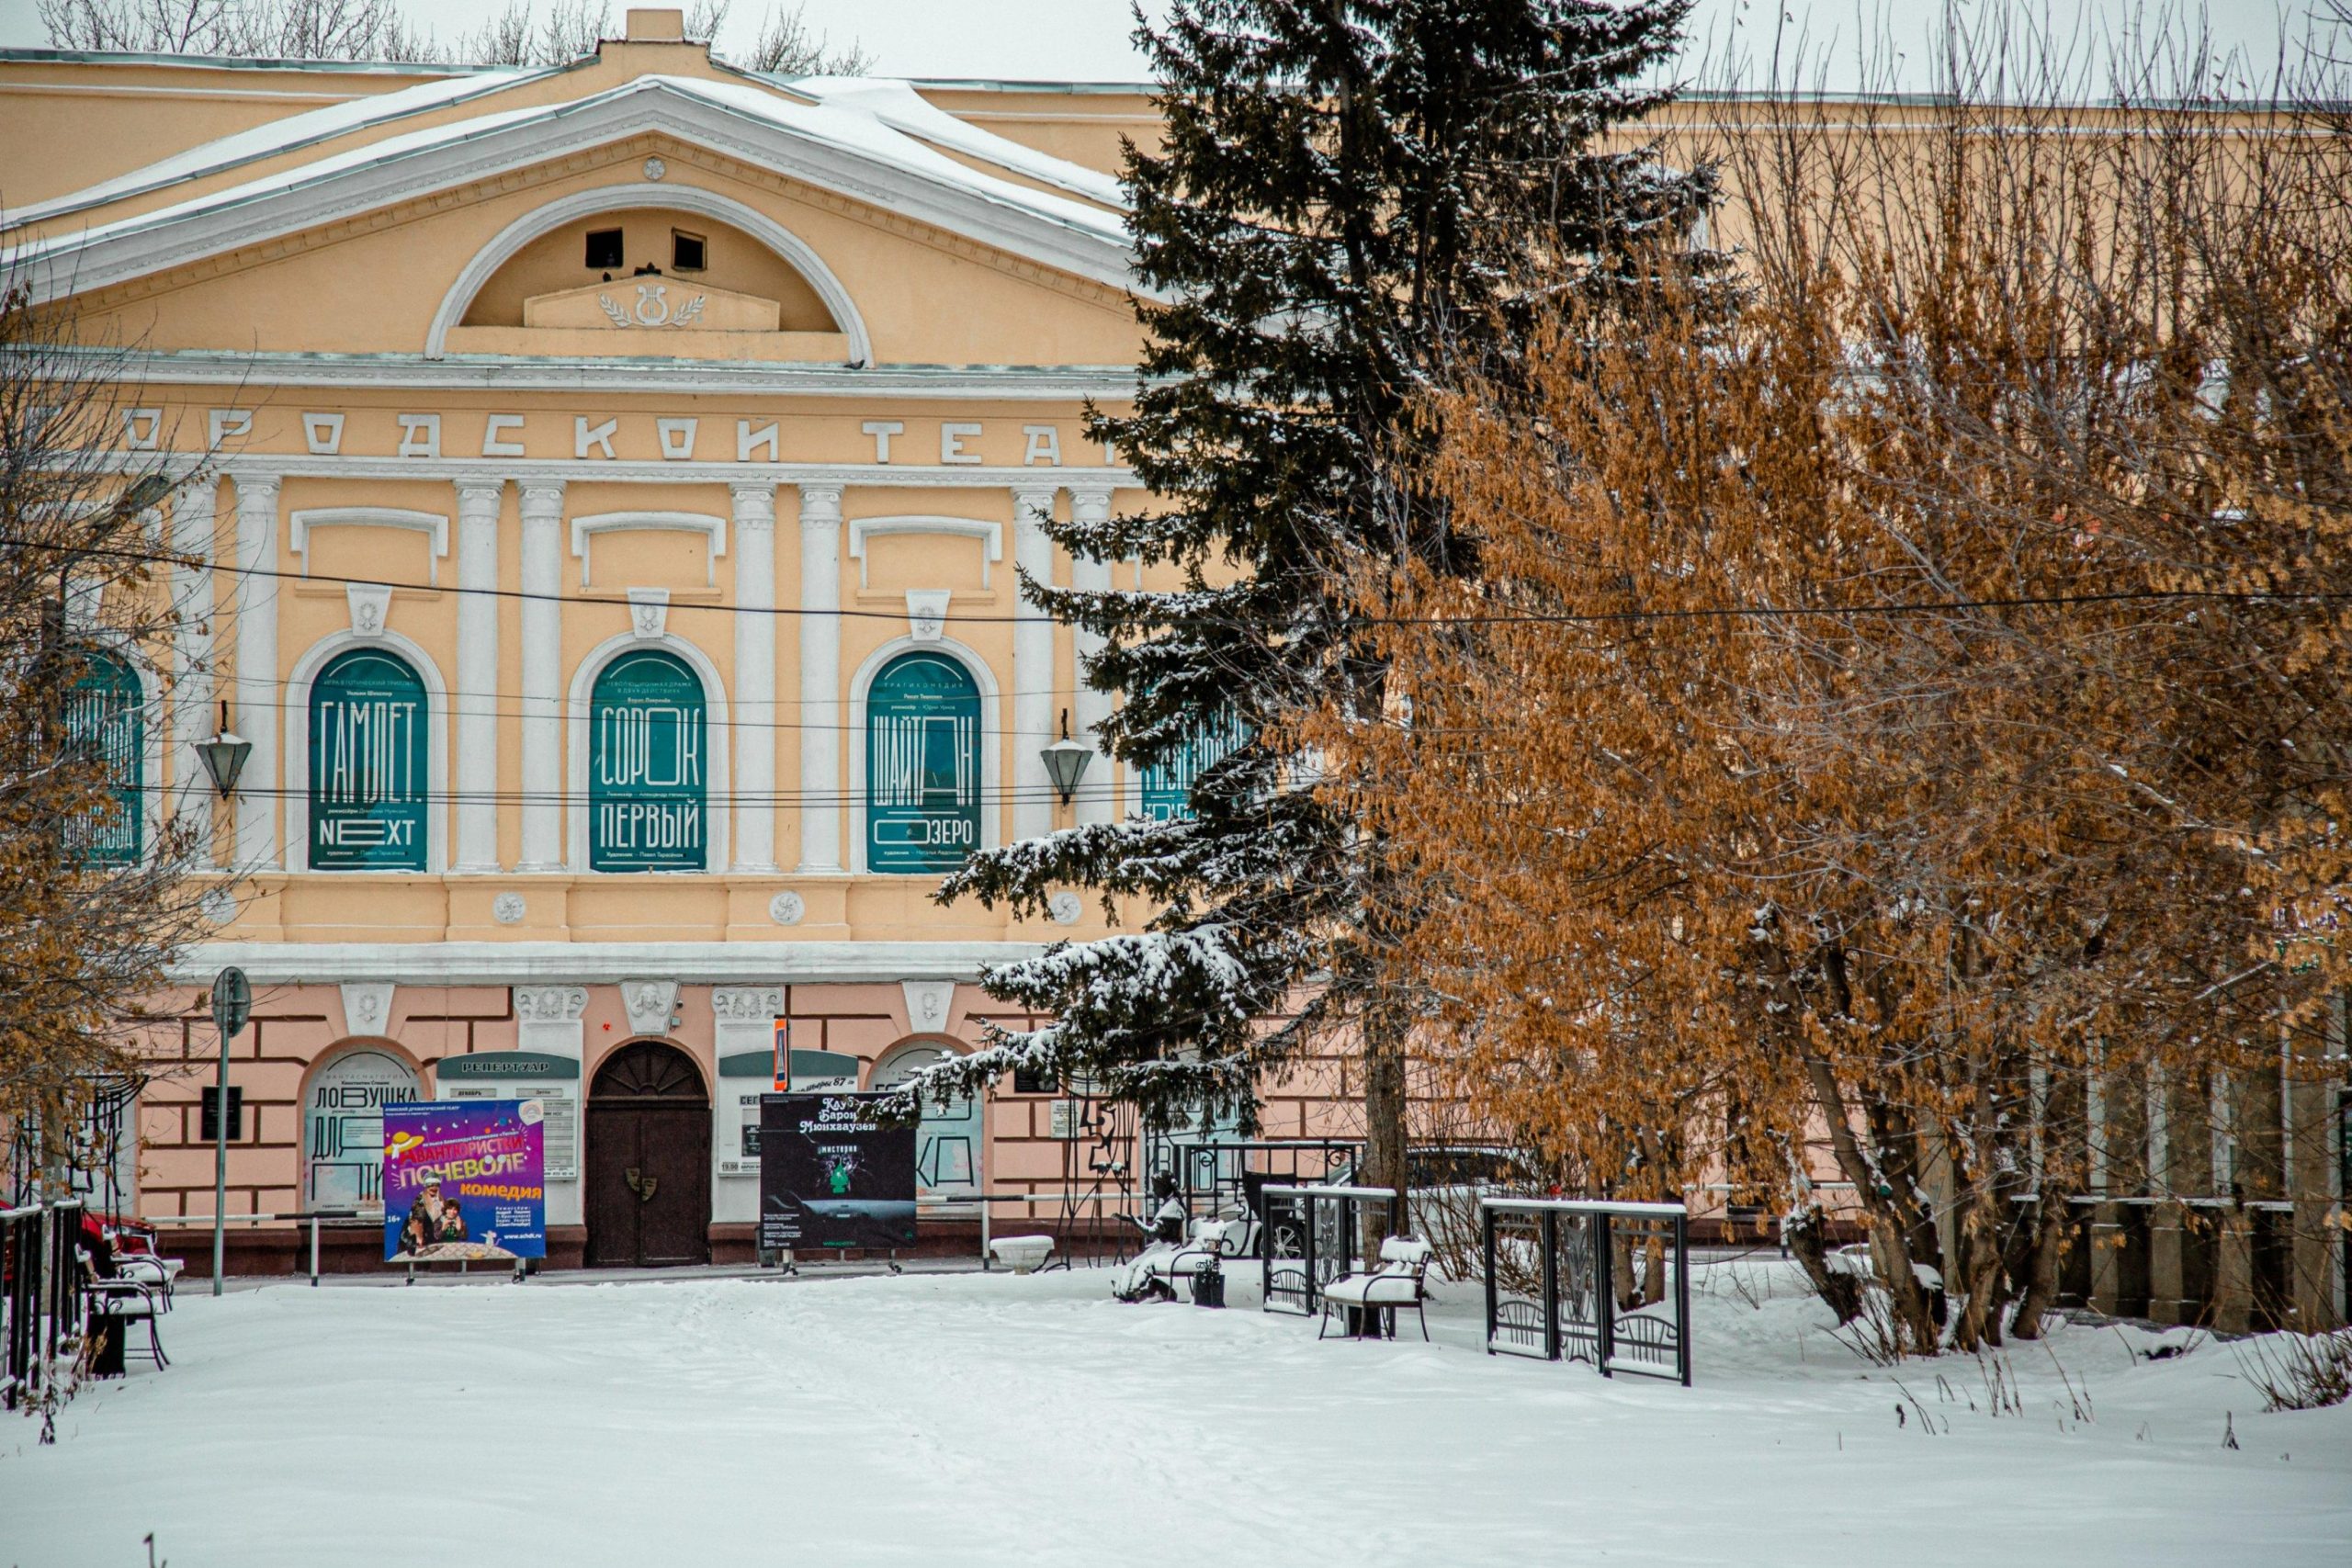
[(1350, 194)]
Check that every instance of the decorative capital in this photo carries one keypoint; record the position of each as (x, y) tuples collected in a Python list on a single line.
[(550, 1004), (543, 502), (821, 506), (478, 499), (1090, 502), (1034, 503), (754, 505), (747, 1004), (257, 492)]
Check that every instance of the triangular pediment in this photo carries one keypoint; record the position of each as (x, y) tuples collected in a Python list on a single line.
[(842, 151)]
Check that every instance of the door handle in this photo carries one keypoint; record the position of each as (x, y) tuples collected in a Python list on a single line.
[(640, 1183)]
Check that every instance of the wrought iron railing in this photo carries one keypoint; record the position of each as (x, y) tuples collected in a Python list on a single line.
[(41, 1294), (1311, 1236), (1588, 1279)]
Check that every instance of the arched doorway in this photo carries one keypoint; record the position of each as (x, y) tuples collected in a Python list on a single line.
[(947, 1146), (647, 1196)]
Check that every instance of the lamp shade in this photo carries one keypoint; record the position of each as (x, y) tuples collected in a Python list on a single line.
[(1066, 761), (224, 758)]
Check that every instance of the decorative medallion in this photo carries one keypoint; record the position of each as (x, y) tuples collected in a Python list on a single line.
[(507, 908), (219, 906), (787, 908), (1064, 909), (655, 168), (652, 309)]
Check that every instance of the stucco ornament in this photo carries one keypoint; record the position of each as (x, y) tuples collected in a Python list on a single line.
[(747, 1004), (787, 908), (926, 612), (507, 908), (367, 1006), (219, 906), (928, 1003), (655, 168), (651, 1004), (550, 1004), (1064, 909), (652, 309)]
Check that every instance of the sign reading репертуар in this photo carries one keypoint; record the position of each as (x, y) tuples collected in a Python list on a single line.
[(835, 1171), (465, 1181)]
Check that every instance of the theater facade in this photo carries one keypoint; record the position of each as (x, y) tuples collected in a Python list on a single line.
[(612, 480)]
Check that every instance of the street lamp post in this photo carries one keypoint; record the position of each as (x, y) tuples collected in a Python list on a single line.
[(232, 1003)]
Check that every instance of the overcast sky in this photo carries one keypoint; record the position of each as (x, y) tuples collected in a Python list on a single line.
[(1088, 39)]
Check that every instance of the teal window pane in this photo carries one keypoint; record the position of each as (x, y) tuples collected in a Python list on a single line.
[(923, 765), (369, 735), (1168, 786), (647, 737), (105, 712)]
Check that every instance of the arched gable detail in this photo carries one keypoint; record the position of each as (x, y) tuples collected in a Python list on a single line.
[(511, 240)]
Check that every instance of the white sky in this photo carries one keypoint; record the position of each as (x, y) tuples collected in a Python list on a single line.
[(1088, 39)]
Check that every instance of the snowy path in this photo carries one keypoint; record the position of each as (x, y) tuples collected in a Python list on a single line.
[(988, 1419)]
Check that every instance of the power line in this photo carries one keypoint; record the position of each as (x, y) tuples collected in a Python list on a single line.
[(1531, 618)]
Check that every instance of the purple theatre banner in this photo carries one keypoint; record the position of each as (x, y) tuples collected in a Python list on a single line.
[(465, 1181)]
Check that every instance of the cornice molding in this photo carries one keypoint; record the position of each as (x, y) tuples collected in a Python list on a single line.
[(1013, 383), (593, 962)]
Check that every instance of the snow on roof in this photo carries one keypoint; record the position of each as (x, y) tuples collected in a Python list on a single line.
[(884, 121), (277, 136), (897, 104)]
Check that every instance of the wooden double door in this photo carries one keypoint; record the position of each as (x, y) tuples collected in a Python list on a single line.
[(647, 1189)]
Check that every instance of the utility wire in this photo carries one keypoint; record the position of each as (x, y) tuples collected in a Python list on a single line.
[(1530, 617)]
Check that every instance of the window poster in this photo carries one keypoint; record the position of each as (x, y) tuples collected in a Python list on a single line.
[(647, 732)]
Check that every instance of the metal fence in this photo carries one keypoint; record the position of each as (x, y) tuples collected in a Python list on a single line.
[(42, 1294), (1587, 1281), (1215, 1175), (1311, 1236)]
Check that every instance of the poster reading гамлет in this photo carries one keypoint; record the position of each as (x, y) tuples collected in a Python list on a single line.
[(465, 1181)]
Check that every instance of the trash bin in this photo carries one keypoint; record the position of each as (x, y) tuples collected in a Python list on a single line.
[(1208, 1284), (107, 1336)]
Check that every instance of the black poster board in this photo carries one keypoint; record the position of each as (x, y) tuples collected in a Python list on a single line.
[(833, 1172)]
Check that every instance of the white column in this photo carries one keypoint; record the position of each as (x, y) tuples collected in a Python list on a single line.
[(542, 627), (193, 715), (1032, 669), (754, 677), (474, 699), (821, 679), (1098, 792), (254, 714)]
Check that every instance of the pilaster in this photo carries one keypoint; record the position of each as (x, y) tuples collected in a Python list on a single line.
[(473, 697)]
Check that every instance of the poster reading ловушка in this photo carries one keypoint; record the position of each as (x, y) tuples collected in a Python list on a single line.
[(465, 1181)]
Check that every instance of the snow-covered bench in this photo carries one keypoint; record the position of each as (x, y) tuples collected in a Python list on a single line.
[(1401, 1280)]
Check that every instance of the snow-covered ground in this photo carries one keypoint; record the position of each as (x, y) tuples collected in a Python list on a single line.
[(965, 1419)]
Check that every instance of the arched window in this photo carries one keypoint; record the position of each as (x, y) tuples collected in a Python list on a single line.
[(369, 735), (1168, 786), (105, 712), (947, 1145), (647, 740), (343, 1126), (923, 765)]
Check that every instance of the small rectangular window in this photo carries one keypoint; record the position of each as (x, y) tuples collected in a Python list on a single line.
[(603, 247), (687, 251), (1030, 1080)]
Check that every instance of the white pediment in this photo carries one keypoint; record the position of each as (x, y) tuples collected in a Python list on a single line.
[(834, 147)]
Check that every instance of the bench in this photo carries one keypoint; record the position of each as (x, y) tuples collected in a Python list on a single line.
[(112, 1304), (1401, 1280)]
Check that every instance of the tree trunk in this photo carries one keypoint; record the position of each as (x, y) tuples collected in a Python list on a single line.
[(1383, 1116)]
